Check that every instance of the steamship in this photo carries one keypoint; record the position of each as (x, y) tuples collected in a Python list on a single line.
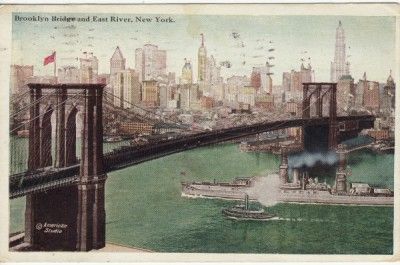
[(227, 190)]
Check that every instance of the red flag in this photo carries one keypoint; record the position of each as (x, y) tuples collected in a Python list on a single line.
[(49, 59)]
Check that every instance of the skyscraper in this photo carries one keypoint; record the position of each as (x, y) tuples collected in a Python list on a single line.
[(150, 93), (345, 94), (150, 62), (19, 74), (126, 88), (292, 82), (367, 95), (339, 66), (89, 68), (261, 79), (202, 61)]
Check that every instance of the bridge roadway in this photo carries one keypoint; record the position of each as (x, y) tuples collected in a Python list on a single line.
[(51, 178)]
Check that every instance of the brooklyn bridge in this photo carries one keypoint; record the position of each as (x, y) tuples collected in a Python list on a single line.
[(68, 193)]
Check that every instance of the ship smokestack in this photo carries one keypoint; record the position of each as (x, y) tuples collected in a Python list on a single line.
[(283, 168)]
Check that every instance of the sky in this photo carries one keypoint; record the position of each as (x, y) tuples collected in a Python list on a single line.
[(244, 41)]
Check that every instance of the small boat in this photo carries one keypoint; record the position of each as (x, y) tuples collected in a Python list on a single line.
[(243, 212)]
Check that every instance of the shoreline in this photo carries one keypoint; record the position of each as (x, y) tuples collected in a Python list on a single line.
[(116, 247)]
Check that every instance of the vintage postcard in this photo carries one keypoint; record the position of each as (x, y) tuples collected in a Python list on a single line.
[(147, 132)]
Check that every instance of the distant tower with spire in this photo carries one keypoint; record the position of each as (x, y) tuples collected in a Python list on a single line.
[(390, 91), (202, 61), (117, 61), (339, 66)]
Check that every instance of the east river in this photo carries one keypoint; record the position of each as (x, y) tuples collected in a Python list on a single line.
[(145, 208)]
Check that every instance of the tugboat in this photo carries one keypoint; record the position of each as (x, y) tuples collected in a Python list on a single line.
[(243, 212)]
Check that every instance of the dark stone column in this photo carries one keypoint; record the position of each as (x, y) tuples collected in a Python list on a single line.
[(332, 140), (30, 218), (91, 210), (85, 217), (85, 186), (33, 161), (46, 158), (99, 215), (70, 136), (306, 102), (319, 101), (98, 133), (316, 138), (60, 127), (99, 177), (86, 170), (34, 129)]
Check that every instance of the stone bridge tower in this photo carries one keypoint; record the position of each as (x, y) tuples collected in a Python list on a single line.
[(67, 218)]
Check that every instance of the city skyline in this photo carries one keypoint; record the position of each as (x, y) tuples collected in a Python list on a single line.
[(255, 130), (244, 43)]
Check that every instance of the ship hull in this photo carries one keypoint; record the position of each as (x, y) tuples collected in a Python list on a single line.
[(247, 215)]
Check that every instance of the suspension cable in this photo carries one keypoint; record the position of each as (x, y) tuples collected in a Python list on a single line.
[(19, 97), (143, 109), (287, 121), (30, 104), (32, 119)]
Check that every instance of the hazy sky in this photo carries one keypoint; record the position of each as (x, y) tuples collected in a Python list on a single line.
[(370, 41)]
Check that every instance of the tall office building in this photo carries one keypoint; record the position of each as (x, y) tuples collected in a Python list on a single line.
[(367, 95), (126, 88), (345, 94), (150, 62), (292, 82), (261, 79), (150, 93), (339, 66), (89, 66), (233, 84), (19, 75)]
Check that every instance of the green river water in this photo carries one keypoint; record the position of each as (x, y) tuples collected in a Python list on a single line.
[(145, 208)]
